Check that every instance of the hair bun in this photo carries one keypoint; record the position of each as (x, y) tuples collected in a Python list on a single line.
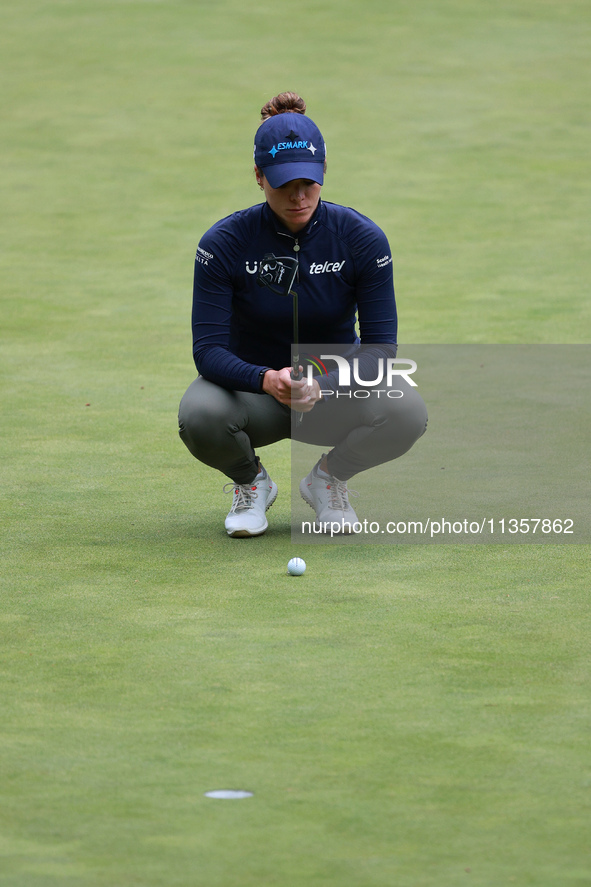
[(283, 103)]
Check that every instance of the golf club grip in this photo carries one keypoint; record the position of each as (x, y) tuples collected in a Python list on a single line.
[(296, 376), (295, 356)]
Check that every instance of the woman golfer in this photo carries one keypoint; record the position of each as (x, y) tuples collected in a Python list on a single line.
[(245, 396)]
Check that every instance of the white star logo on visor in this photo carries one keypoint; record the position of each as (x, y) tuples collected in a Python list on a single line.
[(312, 148)]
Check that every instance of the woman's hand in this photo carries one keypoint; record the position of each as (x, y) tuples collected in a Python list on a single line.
[(294, 393)]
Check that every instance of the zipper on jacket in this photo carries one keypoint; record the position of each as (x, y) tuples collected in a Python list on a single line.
[(296, 249)]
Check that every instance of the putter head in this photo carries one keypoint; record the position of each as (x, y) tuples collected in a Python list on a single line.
[(276, 274)]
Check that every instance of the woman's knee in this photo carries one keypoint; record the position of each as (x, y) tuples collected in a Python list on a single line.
[(408, 411), (205, 412), (416, 415), (403, 421)]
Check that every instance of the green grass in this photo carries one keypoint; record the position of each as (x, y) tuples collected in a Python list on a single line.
[(405, 715)]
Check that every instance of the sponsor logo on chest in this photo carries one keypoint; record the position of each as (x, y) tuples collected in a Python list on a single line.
[(319, 268), (315, 267)]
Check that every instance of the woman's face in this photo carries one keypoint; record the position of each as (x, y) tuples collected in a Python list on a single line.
[(293, 203)]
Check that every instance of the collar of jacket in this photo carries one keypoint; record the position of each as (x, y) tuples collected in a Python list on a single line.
[(272, 220)]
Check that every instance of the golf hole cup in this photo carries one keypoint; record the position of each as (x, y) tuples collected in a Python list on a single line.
[(296, 566)]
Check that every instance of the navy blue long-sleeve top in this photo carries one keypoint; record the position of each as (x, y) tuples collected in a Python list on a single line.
[(241, 328)]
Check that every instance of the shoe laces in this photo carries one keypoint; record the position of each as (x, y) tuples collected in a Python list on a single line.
[(244, 494), (339, 494)]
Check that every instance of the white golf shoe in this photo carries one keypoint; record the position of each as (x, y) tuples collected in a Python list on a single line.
[(329, 497), (247, 514)]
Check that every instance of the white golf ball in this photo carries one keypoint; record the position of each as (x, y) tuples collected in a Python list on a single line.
[(296, 566)]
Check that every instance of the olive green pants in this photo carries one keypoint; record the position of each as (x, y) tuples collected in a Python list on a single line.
[(223, 429)]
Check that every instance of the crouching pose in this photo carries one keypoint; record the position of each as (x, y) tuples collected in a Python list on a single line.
[(245, 397)]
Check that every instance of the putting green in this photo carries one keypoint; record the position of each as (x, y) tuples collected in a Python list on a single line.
[(409, 715)]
